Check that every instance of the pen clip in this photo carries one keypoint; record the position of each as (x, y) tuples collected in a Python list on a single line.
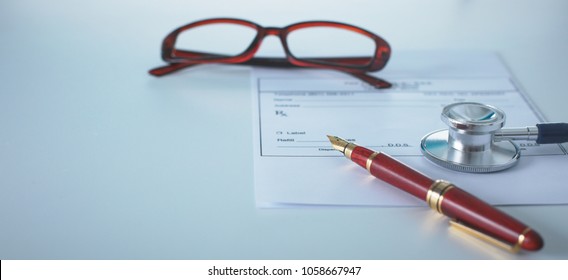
[(513, 248)]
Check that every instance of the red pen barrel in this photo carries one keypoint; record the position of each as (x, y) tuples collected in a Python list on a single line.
[(449, 200), (393, 172), (473, 212)]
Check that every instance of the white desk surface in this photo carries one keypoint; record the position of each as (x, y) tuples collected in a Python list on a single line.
[(99, 160)]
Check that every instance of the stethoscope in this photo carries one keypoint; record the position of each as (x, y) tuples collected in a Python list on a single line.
[(477, 142)]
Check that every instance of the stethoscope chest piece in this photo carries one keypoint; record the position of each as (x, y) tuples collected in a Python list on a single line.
[(468, 145)]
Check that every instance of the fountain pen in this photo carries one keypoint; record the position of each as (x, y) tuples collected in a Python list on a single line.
[(466, 212)]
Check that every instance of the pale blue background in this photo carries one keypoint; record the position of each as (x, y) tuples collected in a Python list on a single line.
[(98, 160)]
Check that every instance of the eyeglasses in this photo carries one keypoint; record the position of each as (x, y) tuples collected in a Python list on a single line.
[(314, 44)]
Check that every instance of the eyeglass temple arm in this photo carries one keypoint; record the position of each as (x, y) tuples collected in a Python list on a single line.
[(170, 68), (372, 80), (267, 61), (173, 67), (260, 61), (257, 61), (273, 61)]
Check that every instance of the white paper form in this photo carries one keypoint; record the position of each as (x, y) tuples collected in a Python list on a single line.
[(295, 110)]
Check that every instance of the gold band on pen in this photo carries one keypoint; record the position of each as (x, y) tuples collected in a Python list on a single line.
[(434, 198), (348, 150), (435, 194), (370, 161)]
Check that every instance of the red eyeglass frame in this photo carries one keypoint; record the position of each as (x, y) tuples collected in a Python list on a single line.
[(180, 59)]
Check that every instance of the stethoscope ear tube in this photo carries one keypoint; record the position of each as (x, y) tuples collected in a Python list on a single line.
[(550, 133)]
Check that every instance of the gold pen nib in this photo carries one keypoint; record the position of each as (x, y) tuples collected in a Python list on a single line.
[(338, 143)]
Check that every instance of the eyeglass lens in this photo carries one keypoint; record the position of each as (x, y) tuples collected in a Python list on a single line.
[(321, 44), (216, 38)]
